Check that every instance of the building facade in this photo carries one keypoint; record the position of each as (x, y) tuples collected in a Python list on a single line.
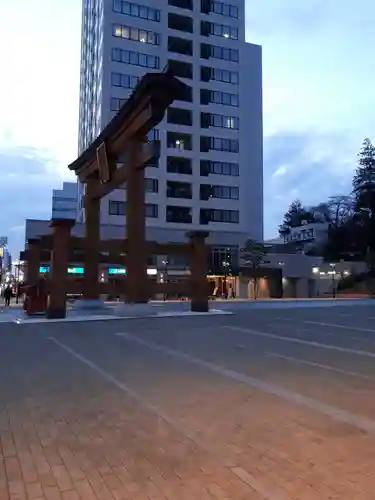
[(65, 201), (210, 172)]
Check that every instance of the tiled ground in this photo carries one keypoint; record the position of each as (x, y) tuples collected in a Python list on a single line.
[(272, 404)]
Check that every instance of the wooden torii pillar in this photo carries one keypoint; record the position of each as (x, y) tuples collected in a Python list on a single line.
[(124, 140), (34, 252), (59, 267)]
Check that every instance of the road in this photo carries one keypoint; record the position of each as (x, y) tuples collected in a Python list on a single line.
[(267, 404)]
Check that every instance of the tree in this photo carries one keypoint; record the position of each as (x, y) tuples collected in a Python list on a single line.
[(253, 254), (295, 216), (336, 211), (364, 192)]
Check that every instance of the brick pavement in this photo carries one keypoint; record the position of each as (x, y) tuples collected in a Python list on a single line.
[(69, 431)]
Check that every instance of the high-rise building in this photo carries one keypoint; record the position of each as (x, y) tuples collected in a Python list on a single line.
[(64, 201), (210, 172)]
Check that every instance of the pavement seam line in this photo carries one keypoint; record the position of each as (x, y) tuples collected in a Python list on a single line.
[(300, 341), (251, 481), (335, 325), (120, 385), (239, 472), (338, 414), (318, 365)]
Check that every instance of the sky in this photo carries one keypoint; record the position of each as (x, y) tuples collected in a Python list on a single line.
[(318, 99)]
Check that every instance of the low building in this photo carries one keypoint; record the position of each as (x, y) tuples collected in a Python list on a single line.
[(283, 273)]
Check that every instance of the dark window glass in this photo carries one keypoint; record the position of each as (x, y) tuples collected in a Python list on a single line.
[(218, 97), (183, 4), (216, 215), (151, 211), (135, 58), (180, 23), (178, 214), (179, 165), (177, 189), (125, 81), (219, 75), (216, 52), (180, 69), (223, 9), (136, 10), (152, 185), (179, 116), (219, 144), (117, 207), (180, 46)]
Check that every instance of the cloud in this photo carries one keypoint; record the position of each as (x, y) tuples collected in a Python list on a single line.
[(27, 179), (308, 166)]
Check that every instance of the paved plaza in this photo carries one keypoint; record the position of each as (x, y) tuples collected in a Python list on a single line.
[(270, 403)]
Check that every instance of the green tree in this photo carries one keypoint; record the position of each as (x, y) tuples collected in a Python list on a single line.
[(295, 216), (364, 192), (253, 254)]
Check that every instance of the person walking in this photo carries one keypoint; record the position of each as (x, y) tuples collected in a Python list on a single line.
[(7, 295)]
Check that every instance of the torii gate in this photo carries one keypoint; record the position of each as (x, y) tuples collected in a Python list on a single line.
[(124, 140)]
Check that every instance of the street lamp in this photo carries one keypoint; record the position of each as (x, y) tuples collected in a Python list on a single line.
[(165, 275), (333, 272), (225, 265)]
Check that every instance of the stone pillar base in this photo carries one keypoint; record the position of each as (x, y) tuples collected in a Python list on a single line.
[(199, 306), (89, 305), (134, 310), (56, 313)]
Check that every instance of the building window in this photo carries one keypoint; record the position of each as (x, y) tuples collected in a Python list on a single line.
[(124, 81), (219, 30), (208, 167), (136, 10), (116, 103), (217, 52), (220, 8), (179, 116), (151, 211), (135, 58), (219, 75), (180, 69), (219, 121), (176, 140), (180, 23), (182, 4), (152, 185), (218, 144), (135, 34), (180, 46), (208, 191), (119, 208), (218, 97), (178, 214), (219, 255), (179, 165), (153, 135), (215, 215), (177, 189)]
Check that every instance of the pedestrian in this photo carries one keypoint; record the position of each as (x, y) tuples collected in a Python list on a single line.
[(7, 295)]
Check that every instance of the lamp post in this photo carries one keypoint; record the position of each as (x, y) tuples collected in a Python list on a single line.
[(165, 275), (225, 265), (333, 272)]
